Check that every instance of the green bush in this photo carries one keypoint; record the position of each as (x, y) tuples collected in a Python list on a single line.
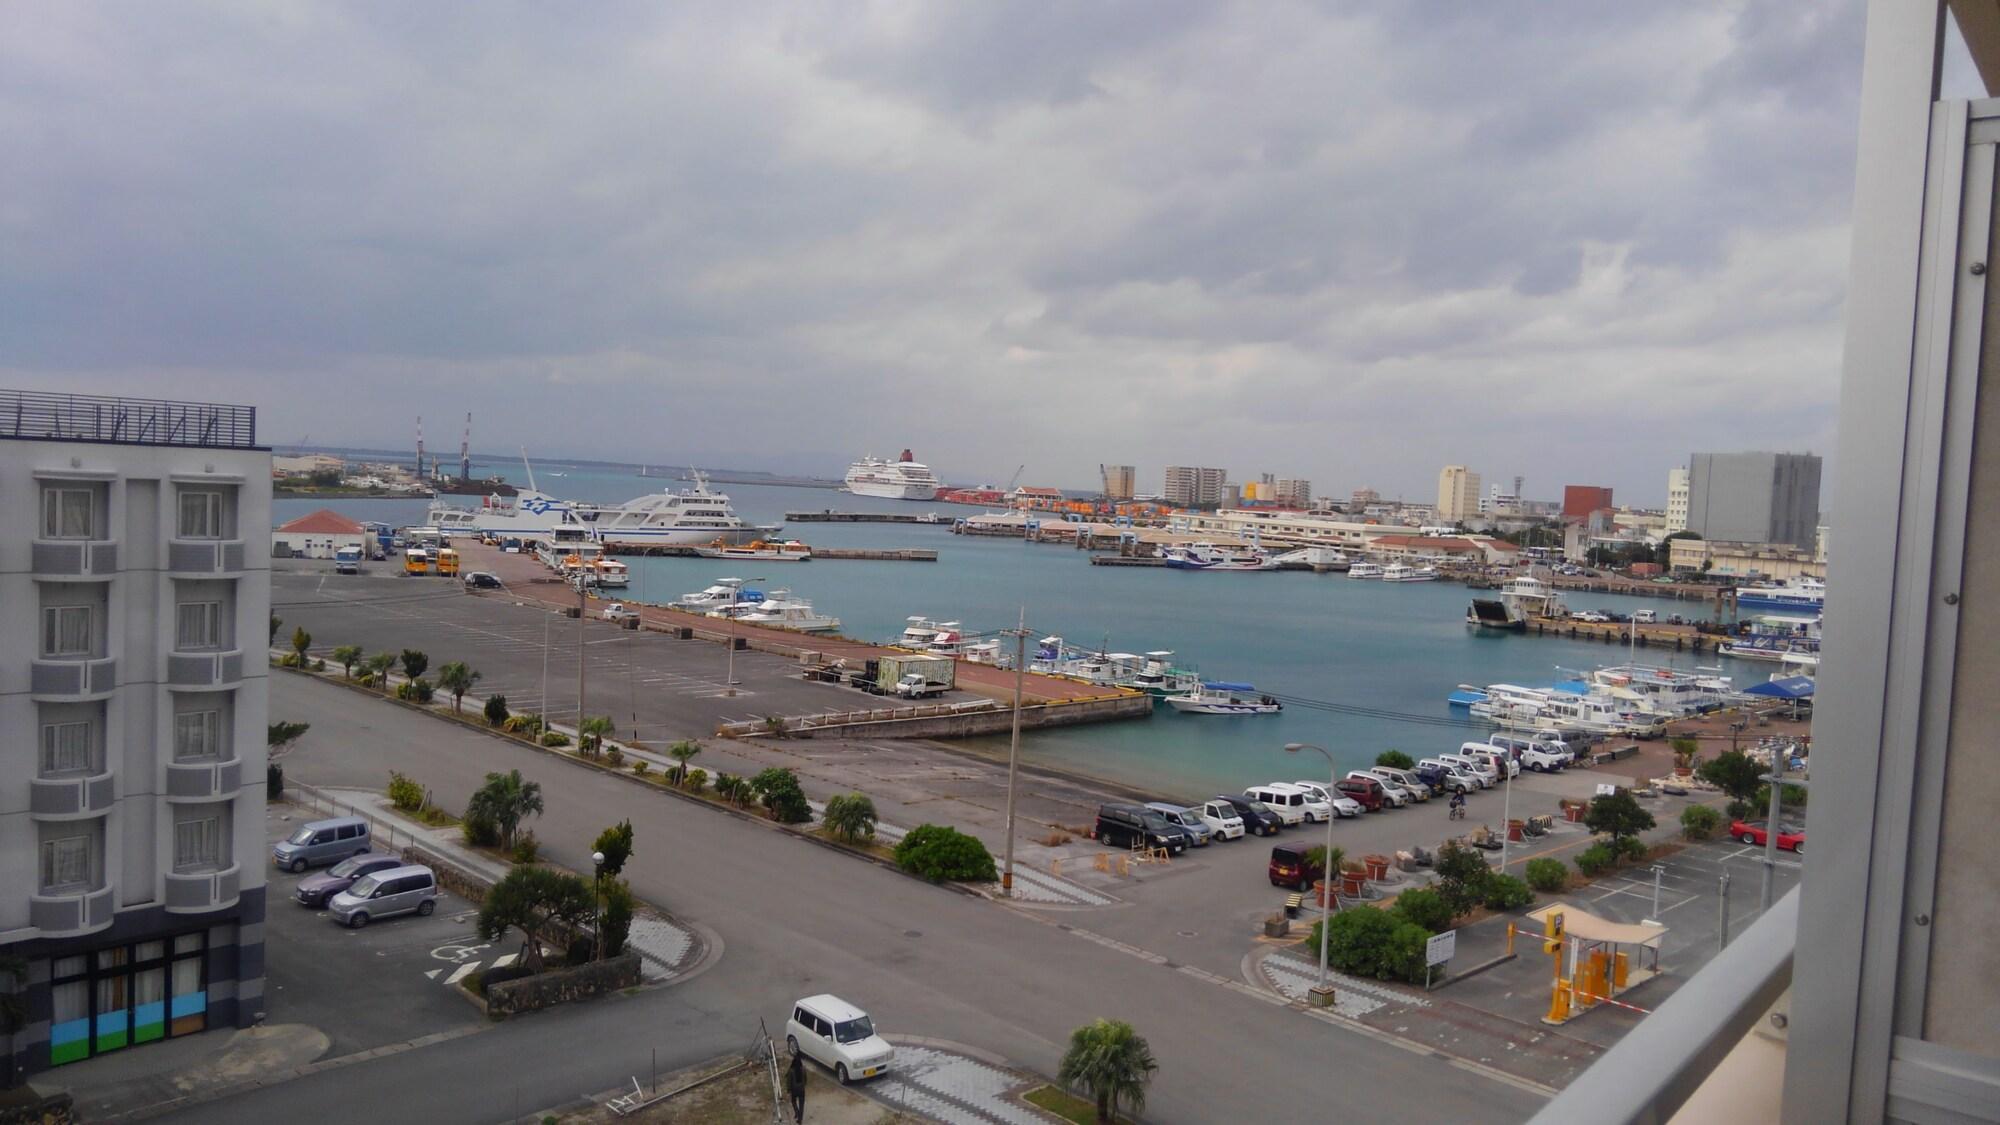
[(1425, 907), (850, 817), (619, 906), (1363, 941), (615, 756), (415, 691), (1629, 847), (779, 791), (480, 831), (496, 711), (641, 766), (1505, 892), (1699, 822), (1595, 858), (1547, 875), (555, 738), (939, 853), (1395, 760), (1741, 810), (1461, 877), (697, 780), (404, 793), (527, 849)]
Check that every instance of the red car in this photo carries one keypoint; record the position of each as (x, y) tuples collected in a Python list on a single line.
[(1791, 838)]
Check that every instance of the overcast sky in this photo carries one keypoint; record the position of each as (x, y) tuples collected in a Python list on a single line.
[(1352, 242)]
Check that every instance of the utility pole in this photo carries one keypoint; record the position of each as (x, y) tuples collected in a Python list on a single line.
[(1014, 748), (580, 616), (546, 616), (1722, 927)]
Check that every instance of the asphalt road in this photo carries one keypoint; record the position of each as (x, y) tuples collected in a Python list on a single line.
[(796, 919)]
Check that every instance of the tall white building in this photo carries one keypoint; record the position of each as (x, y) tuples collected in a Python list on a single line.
[(134, 573), (1119, 482), (1458, 494), (1190, 486), (1295, 492), (1677, 499)]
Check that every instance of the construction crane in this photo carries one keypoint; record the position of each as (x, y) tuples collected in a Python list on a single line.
[(1016, 478), (420, 447), (465, 450)]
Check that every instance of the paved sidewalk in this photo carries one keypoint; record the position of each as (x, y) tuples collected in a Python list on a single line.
[(944, 1084)]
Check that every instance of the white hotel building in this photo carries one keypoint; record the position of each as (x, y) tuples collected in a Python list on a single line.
[(133, 577)]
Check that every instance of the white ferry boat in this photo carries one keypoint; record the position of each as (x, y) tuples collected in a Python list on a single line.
[(758, 550), (1365, 570), (1802, 596), (901, 479), (660, 519), (1521, 599), (1217, 698), (607, 573), (783, 610), (1401, 572), (1208, 556)]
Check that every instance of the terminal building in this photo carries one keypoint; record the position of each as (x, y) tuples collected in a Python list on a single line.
[(133, 577)]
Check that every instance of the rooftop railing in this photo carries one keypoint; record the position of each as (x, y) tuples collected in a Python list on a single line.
[(108, 419), (1653, 1071)]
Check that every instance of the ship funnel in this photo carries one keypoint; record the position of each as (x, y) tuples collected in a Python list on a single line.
[(906, 456)]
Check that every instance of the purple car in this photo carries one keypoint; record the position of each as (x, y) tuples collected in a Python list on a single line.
[(316, 890)]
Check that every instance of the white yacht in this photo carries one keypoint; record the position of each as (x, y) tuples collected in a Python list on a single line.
[(1365, 570), (901, 479), (723, 593), (1208, 556), (918, 634), (758, 550), (783, 610), (1217, 698), (1403, 572), (949, 640), (1158, 676), (659, 519)]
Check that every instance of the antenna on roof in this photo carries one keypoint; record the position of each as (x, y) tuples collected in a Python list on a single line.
[(465, 450)]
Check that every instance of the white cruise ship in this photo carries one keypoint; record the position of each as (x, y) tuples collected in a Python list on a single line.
[(901, 479), (696, 517)]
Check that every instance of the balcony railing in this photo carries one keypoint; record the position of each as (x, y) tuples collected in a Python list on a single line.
[(57, 915), (208, 890), (62, 798), (65, 678), (108, 419), (204, 669), (74, 558), (205, 556), (1663, 1061), (203, 780)]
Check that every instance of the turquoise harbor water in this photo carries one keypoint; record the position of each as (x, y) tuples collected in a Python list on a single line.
[(1379, 657)]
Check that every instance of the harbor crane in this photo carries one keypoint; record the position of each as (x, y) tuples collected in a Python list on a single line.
[(1016, 478), (465, 450)]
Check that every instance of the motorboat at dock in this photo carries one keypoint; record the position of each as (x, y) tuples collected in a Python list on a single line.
[(722, 594), (1365, 570), (784, 610), (757, 550), (1216, 697), (1401, 572), (1208, 556)]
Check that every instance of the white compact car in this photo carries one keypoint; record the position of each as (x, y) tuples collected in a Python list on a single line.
[(838, 1036), (1222, 819), (1343, 805)]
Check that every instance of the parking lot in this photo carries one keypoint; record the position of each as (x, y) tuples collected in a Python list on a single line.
[(316, 969)]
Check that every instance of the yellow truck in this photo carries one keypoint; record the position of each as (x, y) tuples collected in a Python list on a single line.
[(447, 562), (416, 560)]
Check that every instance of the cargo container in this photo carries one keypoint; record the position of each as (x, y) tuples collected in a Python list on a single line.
[(914, 676)]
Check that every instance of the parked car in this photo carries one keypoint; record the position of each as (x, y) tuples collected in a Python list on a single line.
[(316, 890), (409, 889), (1447, 777), (1591, 616), (1488, 776), (617, 611), (1368, 794), (321, 842), (838, 1036), (480, 580), (1288, 801), (1791, 837), (1223, 821), (1131, 826), (1342, 806), (1412, 784), (1541, 760), (1256, 818), (1392, 794), (1645, 617), (1290, 868), (1540, 740), (1184, 818), (1501, 762)]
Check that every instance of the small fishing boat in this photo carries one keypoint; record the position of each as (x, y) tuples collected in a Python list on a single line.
[(758, 550), (785, 611), (1365, 570), (1215, 697), (1400, 572), (724, 593)]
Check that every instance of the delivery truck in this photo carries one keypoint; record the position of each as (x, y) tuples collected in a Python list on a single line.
[(914, 677)]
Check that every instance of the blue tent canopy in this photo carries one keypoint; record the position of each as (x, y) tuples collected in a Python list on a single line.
[(1791, 687)]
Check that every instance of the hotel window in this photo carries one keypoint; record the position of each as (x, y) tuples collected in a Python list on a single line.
[(68, 513), (198, 844), (203, 514), (198, 736), (198, 625), (67, 865), (66, 748), (66, 630)]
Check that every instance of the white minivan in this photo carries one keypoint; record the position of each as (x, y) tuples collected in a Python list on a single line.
[(838, 1036), (1287, 801), (1502, 762), (1341, 803), (1453, 776), (1411, 783)]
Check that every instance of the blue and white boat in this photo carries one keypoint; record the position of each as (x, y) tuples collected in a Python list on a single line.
[(1215, 697), (1208, 556), (1774, 638), (1801, 596)]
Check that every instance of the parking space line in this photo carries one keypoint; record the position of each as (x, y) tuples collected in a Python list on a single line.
[(461, 973)]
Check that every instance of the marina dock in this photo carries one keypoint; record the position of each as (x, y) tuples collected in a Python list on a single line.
[(831, 516), (1681, 638)]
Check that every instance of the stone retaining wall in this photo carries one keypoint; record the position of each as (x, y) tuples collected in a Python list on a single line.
[(560, 986), (55, 1109), (465, 884)]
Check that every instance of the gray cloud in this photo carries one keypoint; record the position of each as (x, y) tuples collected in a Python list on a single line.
[(1344, 240)]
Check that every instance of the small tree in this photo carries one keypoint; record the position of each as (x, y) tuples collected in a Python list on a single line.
[(1426, 908), (414, 663), (1461, 877), (682, 752), (1699, 822), (939, 853), (378, 667), (280, 735), (619, 907), (1112, 1063), (301, 641), (1395, 760), (505, 800), (1618, 816), (616, 844), (1545, 874), (850, 817), (457, 678), (778, 790), (591, 733), (1686, 750), (528, 898), (496, 710), (405, 793), (347, 656)]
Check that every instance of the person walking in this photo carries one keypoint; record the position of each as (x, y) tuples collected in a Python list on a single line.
[(795, 1087)]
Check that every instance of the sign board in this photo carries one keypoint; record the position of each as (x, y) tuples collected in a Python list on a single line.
[(1604, 790), (1440, 947)]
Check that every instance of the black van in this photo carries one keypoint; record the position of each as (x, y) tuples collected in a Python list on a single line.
[(1257, 820), (1129, 826)]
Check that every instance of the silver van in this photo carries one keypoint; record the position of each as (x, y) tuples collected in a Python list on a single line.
[(321, 842), (399, 890)]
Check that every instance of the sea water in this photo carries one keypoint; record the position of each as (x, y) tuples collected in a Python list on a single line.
[(1365, 665)]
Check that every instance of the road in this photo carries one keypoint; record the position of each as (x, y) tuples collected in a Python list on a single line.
[(795, 919)]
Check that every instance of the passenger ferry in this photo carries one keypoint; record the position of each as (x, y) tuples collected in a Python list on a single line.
[(1400, 572), (1365, 570), (1773, 638), (758, 550), (1521, 599), (901, 479), (1208, 556), (659, 519), (1798, 596)]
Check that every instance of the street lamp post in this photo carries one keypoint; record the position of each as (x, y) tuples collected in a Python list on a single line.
[(597, 901), (731, 679), (1322, 993)]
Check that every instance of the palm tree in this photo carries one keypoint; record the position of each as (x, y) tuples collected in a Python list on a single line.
[(850, 817), (379, 664), (347, 656), (301, 641), (1112, 1062), (457, 679), (681, 752), (506, 800), (591, 733)]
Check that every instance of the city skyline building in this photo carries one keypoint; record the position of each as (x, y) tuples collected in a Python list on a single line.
[(1677, 499), (1192, 486), (1458, 494)]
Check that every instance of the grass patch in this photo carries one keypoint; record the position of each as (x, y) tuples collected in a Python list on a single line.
[(436, 817), (869, 847), (474, 983), (1062, 1103)]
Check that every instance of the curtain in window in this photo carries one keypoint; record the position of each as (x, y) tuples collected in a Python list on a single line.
[(66, 630), (188, 1009), (197, 843), (196, 735), (65, 747), (195, 625), (66, 863), (69, 1022), (201, 515), (66, 513)]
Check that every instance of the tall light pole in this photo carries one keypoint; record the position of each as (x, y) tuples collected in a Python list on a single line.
[(581, 613), (1322, 993), (597, 901), (1014, 748), (731, 679)]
